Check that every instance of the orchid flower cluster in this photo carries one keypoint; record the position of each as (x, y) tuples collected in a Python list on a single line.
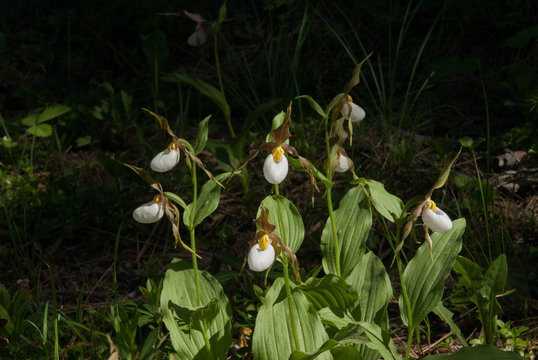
[(164, 161)]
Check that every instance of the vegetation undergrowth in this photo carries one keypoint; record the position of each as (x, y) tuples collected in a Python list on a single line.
[(320, 180)]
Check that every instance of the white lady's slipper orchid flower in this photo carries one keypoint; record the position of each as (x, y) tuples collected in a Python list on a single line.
[(150, 212), (198, 37), (436, 219), (343, 164), (166, 159), (275, 167), (262, 255), (352, 111)]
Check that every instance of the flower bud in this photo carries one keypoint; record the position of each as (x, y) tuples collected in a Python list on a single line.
[(166, 159), (436, 219), (261, 260), (353, 112), (275, 172), (149, 213)]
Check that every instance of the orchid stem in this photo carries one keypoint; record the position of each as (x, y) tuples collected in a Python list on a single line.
[(330, 202), (191, 232), (287, 279)]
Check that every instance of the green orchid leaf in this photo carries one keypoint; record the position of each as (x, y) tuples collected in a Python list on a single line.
[(329, 292), (206, 203), (380, 341), (353, 220), (284, 215), (424, 276), (201, 137), (372, 284), (446, 315), (389, 206), (317, 108), (185, 319), (273, 337)]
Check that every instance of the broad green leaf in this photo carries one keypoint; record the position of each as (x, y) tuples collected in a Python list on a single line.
[(314, 105), (201, 137), (273, 337), (493, 285), (380, 341), (204, 88), (338, 321), (206, 203), (353, 220), (480, 352), (52, 112), (372, 284), (179, 291), (330, 291), (446, 315), (328, 345), (389, 206), (288, 221), (40, 130), (424, 277)]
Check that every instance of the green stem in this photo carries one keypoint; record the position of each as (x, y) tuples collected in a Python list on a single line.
[(330, 201), (191, 232), (410, 324), (287, 279), (219, 75)]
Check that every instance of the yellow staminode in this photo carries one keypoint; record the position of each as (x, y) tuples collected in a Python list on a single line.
[(277, 153), (172, 147), (157, 199), (349, 98), (431, 205), (264, 242)]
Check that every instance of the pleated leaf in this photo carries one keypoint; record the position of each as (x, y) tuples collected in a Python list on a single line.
[(291, 228), (273, 337), (330, 291), (389, 206), (353, 220), (372, 284), (424, 277), (184, 319), (207, 201)]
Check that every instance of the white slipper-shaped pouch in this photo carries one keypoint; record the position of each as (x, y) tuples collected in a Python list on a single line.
[(165, 160), (353, 112), (275, 172), (260, 260), (149, 213), (436, 220)]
